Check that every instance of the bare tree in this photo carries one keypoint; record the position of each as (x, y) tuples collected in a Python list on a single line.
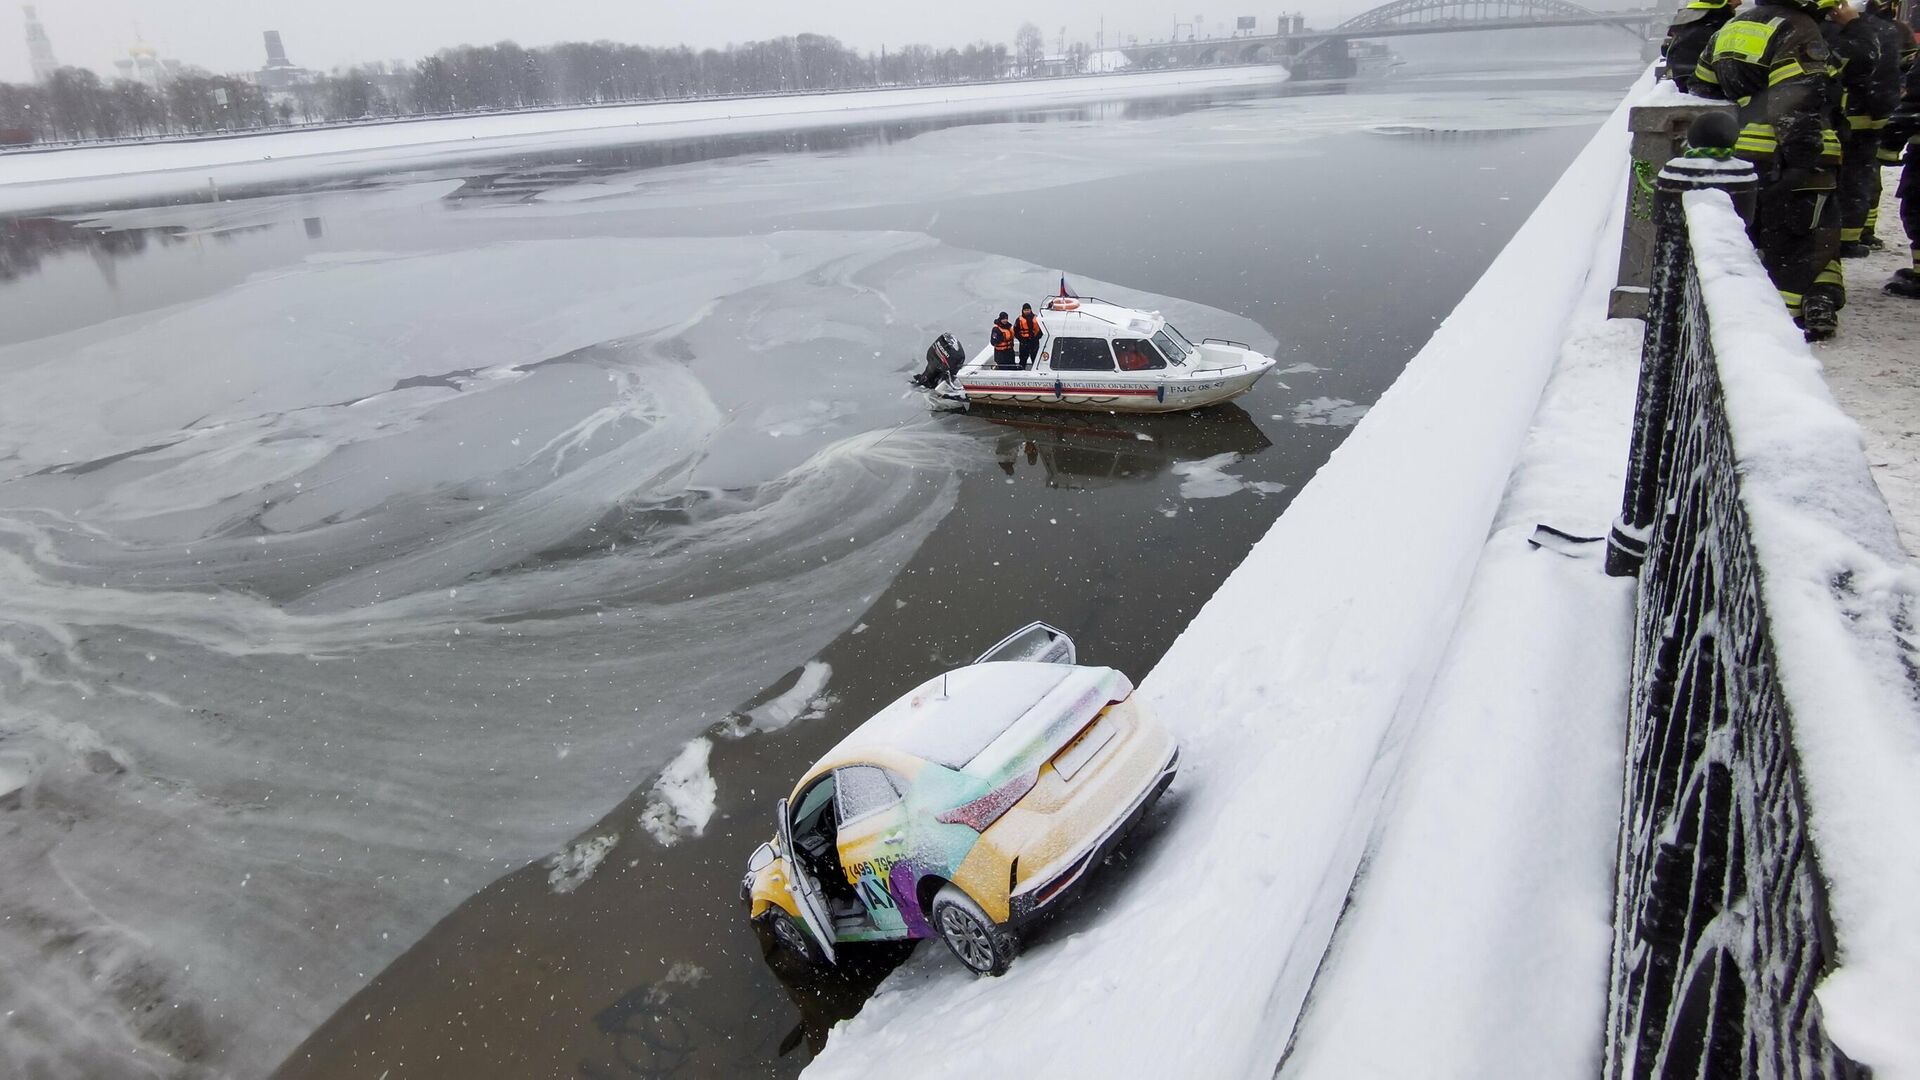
[(1029, 48)]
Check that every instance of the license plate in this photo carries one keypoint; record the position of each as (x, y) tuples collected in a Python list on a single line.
[(1082, 750)]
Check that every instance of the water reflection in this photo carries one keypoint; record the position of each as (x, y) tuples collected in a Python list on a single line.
[(26, 242), (826, 996), (1093, 451)]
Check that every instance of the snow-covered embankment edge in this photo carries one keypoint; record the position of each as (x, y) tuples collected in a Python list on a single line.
[(1293, 692), (89, 175)]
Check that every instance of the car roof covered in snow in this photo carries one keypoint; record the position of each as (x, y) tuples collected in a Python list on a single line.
[(949, 719)]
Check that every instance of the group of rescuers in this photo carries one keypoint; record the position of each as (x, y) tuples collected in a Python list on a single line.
[(1827, 96), (1023, 333)]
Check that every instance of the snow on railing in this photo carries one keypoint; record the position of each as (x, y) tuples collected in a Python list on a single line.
[(1766, 920)]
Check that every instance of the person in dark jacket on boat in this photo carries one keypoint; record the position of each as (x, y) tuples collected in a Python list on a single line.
[(1003, 341), (1027, 332)]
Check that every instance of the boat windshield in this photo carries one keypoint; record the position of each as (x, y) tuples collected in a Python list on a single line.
[(1173, 344)]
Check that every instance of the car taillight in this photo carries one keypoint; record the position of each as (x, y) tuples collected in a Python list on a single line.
[(986, 809)]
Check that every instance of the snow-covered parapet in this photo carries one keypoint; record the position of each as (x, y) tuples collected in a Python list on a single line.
[(1842, 596), (1771, 834)]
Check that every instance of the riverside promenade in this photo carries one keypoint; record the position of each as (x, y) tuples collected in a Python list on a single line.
[(1456, 804), (1874, 374)]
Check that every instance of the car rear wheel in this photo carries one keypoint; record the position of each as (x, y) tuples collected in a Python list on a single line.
[(986, 947)]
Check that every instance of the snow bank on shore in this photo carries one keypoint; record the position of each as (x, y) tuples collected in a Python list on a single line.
[(93, 174), (1293, 692)]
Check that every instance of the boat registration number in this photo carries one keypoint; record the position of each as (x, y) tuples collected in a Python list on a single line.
[(1083, 748)]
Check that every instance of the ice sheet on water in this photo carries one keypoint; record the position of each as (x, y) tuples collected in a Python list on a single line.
[(327, 618), (107, 173), (217, 216), (571, 868), (1208, 478), (368, 579), (15, 770), (1328, 412), (806, 698), (684, 796)]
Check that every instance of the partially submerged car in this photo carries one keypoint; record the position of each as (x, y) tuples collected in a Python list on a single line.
[(963, 810)]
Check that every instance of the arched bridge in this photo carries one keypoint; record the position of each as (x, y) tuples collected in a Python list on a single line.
[(1299, 47)]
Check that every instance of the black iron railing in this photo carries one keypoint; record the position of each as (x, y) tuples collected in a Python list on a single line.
[(1721, 932)]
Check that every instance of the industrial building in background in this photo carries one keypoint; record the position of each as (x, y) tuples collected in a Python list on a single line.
[(39, 49)]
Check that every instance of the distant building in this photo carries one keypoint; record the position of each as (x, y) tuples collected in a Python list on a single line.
[(39, 49), (143, 64), (280, 76)]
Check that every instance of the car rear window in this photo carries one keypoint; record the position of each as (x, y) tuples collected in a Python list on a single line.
[(992, 698)]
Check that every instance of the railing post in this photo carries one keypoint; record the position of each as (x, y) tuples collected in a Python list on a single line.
[(1659, 133), (1709, 166)]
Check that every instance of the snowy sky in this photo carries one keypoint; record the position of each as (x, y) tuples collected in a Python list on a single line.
[(224, 35)]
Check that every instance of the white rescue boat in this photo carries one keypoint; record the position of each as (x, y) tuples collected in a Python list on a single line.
[(1101, 357)]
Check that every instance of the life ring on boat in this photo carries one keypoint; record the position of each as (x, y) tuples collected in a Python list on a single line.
[(1063, 303)]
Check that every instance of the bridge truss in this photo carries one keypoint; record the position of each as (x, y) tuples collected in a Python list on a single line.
[(1410, 14)]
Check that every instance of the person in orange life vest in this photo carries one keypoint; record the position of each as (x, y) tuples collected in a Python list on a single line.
[(1026, 331), (1002, 337)]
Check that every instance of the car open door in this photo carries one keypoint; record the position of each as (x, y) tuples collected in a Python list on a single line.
[(806, 891), (1037, 642)]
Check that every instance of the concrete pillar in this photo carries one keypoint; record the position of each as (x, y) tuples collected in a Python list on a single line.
[(1659, 134)]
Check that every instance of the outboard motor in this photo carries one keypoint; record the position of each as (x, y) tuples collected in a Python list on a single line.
[(944, 358)]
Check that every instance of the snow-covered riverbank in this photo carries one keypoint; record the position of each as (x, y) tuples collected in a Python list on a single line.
[(85, 175), (1321, 749)]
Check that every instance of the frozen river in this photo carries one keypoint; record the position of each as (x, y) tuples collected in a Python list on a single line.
[(369, 547)]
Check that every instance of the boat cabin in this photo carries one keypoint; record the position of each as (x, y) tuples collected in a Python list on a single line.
[(1095, 336)]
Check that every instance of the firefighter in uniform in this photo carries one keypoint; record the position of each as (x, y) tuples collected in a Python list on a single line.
[(1687, 37), (1898, 47), (1888, 12), (1903, 130), (1869, 85), (1772, 61)]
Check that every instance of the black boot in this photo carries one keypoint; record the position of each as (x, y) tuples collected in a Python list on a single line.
[(1854, 249), (1873, 241), (1819, 318), (1905, 283)]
